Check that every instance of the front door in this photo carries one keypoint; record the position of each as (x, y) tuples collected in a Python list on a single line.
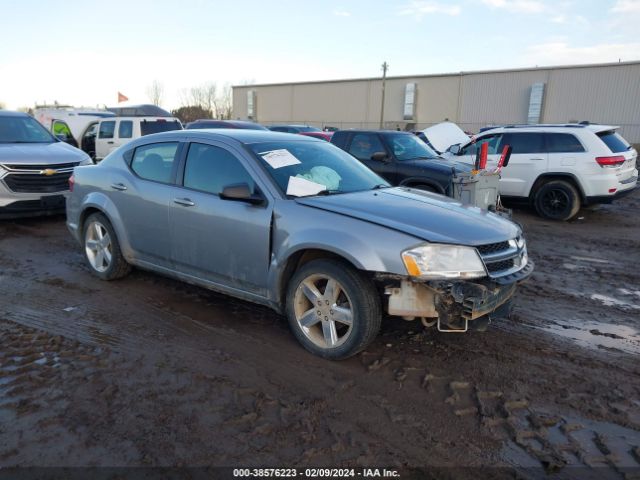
[(364, 145), (222, 241)]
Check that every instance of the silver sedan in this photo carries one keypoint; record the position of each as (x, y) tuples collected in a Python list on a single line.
[(299, 225)]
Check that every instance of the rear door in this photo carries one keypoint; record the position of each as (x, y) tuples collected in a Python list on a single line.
[(142, 198), (124, 134), (222, 241), (363, 145), (529, 160), (565, 152)]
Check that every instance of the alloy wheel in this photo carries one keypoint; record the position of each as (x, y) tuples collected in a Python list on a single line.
[(323, 311), (98, 246)]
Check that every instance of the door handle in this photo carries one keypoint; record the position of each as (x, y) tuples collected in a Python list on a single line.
[(110, 142), (119, 186), (537, 159), (184, 202)]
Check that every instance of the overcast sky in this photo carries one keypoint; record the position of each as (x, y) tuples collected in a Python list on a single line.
[(84, 52)]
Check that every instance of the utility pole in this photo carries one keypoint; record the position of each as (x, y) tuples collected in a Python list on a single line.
[(385, 67)]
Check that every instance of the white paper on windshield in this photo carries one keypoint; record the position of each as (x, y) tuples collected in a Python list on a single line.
[(300, 187), (280, 158)]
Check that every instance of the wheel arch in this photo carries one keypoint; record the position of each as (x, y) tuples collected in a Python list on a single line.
[(545, 177), (301, 257), (98, 203)]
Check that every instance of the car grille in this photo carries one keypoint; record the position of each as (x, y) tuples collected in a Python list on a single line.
[(499, 266), (493, 247), (33, 179), (503, 258)]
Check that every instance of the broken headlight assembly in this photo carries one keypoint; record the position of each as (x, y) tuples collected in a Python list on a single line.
[(440, 262)]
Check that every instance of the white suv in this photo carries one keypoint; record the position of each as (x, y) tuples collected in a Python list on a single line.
[(558, 168)]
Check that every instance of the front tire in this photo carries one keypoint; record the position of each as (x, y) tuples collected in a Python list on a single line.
[(102, 250), (333, 309), (557, 200)]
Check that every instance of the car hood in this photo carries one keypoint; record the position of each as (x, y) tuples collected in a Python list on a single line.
[(445, 134), (424, 215), (40, 153)]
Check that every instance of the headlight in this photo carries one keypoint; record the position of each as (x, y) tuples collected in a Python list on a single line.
[(436, 261)]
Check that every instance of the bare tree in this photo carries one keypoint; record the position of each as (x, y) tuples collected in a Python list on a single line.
[(223, 103), (155, 91), (202, 96)]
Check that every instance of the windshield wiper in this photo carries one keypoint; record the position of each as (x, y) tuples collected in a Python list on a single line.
[(328, 192), (380, 185)]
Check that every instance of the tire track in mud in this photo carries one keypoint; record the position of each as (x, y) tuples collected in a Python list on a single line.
[(553, 441)]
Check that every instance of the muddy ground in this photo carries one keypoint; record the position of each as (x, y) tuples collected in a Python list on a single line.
[(148, 371)]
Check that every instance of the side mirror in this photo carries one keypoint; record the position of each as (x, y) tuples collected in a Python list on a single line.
[(454, 149), (380, 157), (241, 192)]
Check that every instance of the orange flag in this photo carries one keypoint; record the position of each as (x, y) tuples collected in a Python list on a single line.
[(122, 98)]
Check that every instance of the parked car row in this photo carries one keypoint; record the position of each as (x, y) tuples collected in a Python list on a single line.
[(332, 231)]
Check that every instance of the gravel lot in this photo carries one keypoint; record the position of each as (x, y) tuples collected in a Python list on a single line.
[(148, 371)]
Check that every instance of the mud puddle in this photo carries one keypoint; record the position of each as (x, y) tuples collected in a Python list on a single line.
[(597, 335)]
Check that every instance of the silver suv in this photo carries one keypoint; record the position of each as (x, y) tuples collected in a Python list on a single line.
[(34, 167)]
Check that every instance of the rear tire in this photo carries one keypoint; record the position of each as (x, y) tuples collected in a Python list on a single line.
[(557, 200), (333, 309), (102, 250)]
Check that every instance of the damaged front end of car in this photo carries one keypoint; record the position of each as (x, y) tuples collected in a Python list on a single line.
[(458, 287)]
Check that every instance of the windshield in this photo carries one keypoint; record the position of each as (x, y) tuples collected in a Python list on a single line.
[(308, 129), (23, 130), (310, 168), (149, 127), (406, 146)]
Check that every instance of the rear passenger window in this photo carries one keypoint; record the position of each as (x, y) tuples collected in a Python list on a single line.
[(125, 129), (524, 142), (210, 169), (563, 143), (155, 162), (107, 129)]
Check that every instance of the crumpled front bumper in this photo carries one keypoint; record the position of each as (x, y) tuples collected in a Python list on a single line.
[(454, 303)]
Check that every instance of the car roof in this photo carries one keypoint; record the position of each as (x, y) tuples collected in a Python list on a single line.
[(11, 113), (239, 135), (373, 131), (594, 127)]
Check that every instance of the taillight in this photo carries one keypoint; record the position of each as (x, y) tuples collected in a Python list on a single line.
[(72, 182), (615, 161)]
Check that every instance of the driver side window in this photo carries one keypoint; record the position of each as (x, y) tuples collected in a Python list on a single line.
[(363, 145)]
